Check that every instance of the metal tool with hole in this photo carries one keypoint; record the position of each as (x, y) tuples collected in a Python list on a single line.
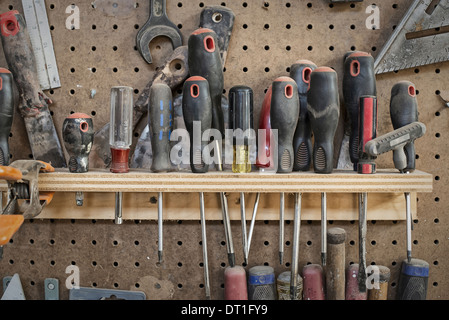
[(157, 25)]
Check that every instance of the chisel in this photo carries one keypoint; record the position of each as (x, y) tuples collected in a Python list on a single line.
[(33, 104), (160, 121)]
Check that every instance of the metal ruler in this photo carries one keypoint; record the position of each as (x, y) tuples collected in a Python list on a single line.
[(421, 38), (37, 23)]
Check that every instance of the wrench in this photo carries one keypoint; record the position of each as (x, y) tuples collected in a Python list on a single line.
[(157, 25)]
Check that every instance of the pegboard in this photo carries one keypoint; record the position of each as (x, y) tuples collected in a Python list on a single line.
[(268, 37)]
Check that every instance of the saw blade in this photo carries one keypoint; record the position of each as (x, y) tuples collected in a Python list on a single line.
[(421, 38)]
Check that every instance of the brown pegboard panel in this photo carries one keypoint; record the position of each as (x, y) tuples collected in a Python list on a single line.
[(268, 37)]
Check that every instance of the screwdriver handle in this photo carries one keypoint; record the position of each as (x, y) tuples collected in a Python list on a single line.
[(160, 121), (300, 71), (413, 280), (6, 113), (264, 156), (324, 111), (197, 113), (403, 111), (204, 60), (358, 80), (284, 113), (367, 131)]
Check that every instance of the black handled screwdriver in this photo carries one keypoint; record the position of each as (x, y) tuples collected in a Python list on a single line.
[(358, 80), (160, 122), (403, 111), (324, 111), (197, 112), (284, 114), (300, 71)]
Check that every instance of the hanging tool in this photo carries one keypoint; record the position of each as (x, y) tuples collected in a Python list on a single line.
[(261, 283), (324, 111), (284, 113), (413, 280), (352, 285), (33, 105), (160, 120), (253, 220), (13, 288), (335, 269), (313, 279), (205, 61), (365, 165), (300, 71), (295, 249), (358, 80), (379, 290), (419, 39), (120, 137), (235, 287), (197, 111), (41, 41), (241, 122), (283, 286), (265, 155), (78, 135), (157, 25), (221, 20)]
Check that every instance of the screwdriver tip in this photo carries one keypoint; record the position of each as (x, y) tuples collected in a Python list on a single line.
[(159, 255), (281, 257), (323, 259), (231, 259), (409, 256)]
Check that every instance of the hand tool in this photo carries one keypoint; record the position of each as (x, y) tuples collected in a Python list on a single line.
[(335, 268), (379, 290), (283, 286), (358, 80), (313, 282), (14, 289), (352, 285), (120, 136), (78, 135), (173, 73), (6, 113), (235, 287), (41, 41), (284, 113), (81, 293), (33, 105), (197, 111), (413, 280), (157, 25), (419, 39), (300, 71), (160, 121), (261, 283), (221, 20), (265, 154), (323, 106), (365, 165), (205, 61), (51, 289), (295, 248), (253, 220)]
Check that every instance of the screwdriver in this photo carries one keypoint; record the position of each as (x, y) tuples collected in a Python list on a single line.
[(197, 112), (241, 122), (284, 113), (403, 111), (358, 80), (365, 165), (205, 61), (324, 111), (160, 122)]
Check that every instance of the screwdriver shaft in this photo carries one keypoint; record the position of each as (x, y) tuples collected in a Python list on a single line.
[(409, 226), (243, 222), (160, 225), (227, 228), (253, 220), (281, 228), (295, 253), (118, 207), (323, 228), (204, 244), (362, 241)]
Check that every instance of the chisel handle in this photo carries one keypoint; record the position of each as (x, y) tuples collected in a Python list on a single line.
[(284, 113), (358, 80), (300, 71), (324, 111), (6, 113), (403, 111), (160, 121), (197, 112)]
